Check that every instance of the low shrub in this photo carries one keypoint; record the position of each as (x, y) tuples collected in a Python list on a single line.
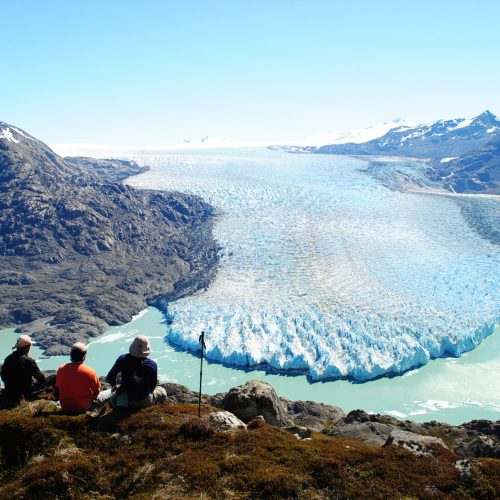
[(196, 430), (167, 449)]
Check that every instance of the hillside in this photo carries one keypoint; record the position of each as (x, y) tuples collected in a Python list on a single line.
[(476, 171), (80, 251), (443, 138), (166, 451)]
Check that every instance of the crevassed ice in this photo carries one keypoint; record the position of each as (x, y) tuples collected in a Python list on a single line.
[(327, 271)]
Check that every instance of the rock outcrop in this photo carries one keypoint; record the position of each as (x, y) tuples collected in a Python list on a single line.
[(224, 421), (315, 416), (416, 443), (257, 402), (477, 171), (80, 251), (256, 398)]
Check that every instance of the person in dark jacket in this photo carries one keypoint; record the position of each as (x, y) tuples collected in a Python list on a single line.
[(19, 372), (139, 378)]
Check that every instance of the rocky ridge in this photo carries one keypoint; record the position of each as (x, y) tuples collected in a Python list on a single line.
[(437, 140), (80, 251), (477, 171), (478, 438)]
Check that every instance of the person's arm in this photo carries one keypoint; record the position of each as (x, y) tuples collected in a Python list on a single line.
[(111, 376), (55, 388), (151, 375), (36, 373), (95, 386)]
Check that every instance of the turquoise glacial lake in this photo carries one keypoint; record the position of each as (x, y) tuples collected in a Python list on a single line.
[(452, 390)]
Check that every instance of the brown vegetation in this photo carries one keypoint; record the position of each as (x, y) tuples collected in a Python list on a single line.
[(167, 452)]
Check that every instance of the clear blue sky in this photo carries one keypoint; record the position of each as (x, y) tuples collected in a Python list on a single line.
[(149, 72)]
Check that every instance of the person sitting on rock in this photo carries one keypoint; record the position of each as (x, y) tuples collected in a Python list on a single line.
[(19, 372), (139, 378), (77, 384)]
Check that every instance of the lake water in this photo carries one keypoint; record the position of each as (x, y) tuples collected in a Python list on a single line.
[(449, 390)]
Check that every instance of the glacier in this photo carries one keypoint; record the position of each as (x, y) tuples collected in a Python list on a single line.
[(332, 266)]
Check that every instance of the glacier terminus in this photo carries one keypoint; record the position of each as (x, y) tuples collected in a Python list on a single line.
[(333, 266)]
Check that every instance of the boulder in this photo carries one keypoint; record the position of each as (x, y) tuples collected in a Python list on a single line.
[(224, 421), (315, 416), (416, 443), (256, 398), (464, 467), (481, 446), (298, 431), (178, 393), (373, 433), (484, 427)]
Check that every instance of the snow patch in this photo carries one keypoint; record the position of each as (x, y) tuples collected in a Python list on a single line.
[(20, 132), (464, 123), (7, 134), (446, 160)]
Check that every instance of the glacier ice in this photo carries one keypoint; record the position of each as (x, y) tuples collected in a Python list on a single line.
[(326, 270)]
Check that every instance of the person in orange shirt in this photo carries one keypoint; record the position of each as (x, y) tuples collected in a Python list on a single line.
[(78, 385)]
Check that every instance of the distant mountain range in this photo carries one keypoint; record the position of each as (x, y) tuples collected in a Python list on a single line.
[(463, 153), (80, 251)]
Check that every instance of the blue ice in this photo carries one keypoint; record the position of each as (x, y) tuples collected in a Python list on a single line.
[(328, 269)]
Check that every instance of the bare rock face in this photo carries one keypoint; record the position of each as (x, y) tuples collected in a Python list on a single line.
[(481, 446), (416, 443), (373, 433), (315, 416), (256, 398)]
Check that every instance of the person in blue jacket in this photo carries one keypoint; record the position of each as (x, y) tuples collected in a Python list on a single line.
[(134, 378)]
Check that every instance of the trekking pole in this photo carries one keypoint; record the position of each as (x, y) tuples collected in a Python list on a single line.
[(201, 340)]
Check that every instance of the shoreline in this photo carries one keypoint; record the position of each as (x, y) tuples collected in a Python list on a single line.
[(451, 390)]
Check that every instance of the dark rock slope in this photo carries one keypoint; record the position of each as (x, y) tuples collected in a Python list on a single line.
[(109, 169), (474, 172), (80, 252)]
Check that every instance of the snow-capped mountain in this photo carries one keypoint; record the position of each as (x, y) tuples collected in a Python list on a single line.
[(354, 136), (458, 149), (437, 140)]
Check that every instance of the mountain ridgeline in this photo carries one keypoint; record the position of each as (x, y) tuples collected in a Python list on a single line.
[(464, 154), (80, 251)]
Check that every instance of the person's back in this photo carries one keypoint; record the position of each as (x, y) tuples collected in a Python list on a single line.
[(139, 377), (78, 385), (19, 370)]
